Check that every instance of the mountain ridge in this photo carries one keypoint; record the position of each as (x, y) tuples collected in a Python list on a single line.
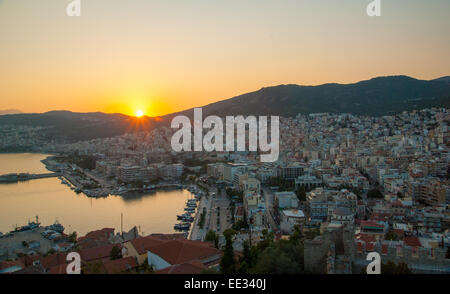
[(336, 98), (376, 97)]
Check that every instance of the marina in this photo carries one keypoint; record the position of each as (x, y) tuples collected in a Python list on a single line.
[(153, 211), (191, 207)]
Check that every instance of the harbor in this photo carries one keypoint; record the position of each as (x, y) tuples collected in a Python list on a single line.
[(21, 177), (32, 239), (154, 209), (187, 219)]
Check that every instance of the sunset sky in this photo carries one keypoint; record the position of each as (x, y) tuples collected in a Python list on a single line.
[(163, 56)]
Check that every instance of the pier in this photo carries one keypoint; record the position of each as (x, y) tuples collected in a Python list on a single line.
[(14, 178)]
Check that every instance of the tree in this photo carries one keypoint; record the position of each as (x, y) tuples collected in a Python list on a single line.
[(284, 257), (72, 237), (228, 263), (375, 193), (240, 224), (267, 240), (116, 253), (145, 268), (301, 194), (312, 233), (209, 271), (391, 236), (211, 236), (248, 259), (94, 267), (390, 268), (50, 251), (201, 222), (296, 235)]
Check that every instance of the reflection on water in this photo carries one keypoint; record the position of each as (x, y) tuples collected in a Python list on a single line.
[(153, 212)]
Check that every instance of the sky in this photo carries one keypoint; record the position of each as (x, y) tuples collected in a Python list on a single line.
[(162, 56)]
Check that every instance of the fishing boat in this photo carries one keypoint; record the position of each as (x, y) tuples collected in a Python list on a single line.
[(57, 227), (30, 226), (188, 219), (184, 215), (182, 226)]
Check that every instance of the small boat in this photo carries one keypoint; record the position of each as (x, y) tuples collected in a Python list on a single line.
[(30, 226), (182, 216), (57, 227), (188, 219), (182, 226)]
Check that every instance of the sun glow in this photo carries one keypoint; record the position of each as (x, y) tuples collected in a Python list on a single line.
[(139, 113)]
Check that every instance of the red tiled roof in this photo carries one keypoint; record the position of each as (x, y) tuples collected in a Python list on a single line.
[(176, 251), (119, 265), (102, 234), (91, 254), (384, 248), (367, 238), (143, 244), (359, 246), (28, 259), (60, 269), (182, 251), (8, 264), (370, 246), (91, 243), (169, 236), (399, 232), (412, 241), (192, 267), (54, 260), (397, 203)]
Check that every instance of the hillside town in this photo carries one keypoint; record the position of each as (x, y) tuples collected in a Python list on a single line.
[(347, 185)]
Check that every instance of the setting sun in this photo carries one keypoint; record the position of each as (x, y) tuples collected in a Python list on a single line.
[(139, 113)]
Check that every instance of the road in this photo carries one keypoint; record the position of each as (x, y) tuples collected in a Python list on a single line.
[(198, 233), (220, 213), (269, 199)]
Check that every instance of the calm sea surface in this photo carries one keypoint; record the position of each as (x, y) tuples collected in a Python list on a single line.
[(50, 200)]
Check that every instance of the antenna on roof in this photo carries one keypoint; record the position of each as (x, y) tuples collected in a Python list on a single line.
[(121, 223)]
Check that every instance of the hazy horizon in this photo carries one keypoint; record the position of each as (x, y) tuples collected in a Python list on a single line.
[(18, 111), (167, 56)]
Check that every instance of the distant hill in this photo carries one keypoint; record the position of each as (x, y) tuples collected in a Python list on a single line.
[(73, 126), (443, 79), (378, 96), (9, 111)]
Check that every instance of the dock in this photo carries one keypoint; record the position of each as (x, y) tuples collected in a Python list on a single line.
[(14, 177)]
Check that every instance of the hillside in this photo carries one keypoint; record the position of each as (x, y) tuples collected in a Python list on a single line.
[(378, 96)]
